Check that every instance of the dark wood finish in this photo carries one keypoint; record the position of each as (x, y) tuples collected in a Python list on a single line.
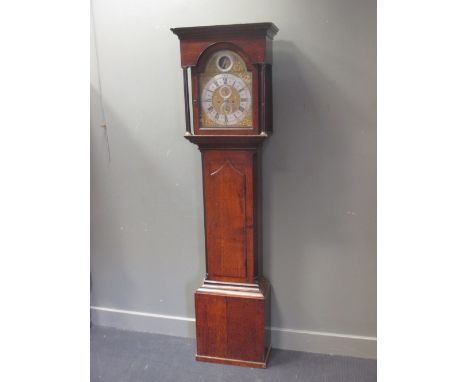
[(241, 142), (230, 186), (255, 39), (208, 31), (235, 362), (233, 304), (265, 99), (231, 322), (188, 129)]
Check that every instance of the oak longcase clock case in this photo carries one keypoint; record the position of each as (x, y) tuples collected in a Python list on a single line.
[(227, 71)]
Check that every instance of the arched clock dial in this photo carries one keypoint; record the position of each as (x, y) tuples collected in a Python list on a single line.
[(225, 92), (226, 99)]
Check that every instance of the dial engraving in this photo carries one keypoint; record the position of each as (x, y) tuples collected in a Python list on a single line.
[(228, 96)]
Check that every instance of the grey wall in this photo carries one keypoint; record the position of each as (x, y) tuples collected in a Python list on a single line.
[(319, 169)]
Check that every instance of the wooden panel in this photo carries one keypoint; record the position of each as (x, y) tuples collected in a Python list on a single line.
[(231, 327), (211, 325), (229, 214), (246, 329), (225, 214), (190, 50), (258, 44)]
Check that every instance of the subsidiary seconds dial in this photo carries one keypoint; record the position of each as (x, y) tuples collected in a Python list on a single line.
[(226, 99)]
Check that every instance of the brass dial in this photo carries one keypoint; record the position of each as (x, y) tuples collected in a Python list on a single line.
[(226, 99), (226, 92)]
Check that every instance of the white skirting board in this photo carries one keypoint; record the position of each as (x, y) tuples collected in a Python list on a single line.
[(281, 338)]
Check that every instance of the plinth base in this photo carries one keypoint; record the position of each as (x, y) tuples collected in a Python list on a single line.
[(230, 321), (236, 362)]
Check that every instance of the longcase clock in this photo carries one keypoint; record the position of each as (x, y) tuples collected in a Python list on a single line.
[(227, 86)]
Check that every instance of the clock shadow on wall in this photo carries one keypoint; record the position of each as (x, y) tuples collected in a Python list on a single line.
[(308, 187)]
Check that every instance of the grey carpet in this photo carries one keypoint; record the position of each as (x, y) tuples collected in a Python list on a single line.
[(121, 356)]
